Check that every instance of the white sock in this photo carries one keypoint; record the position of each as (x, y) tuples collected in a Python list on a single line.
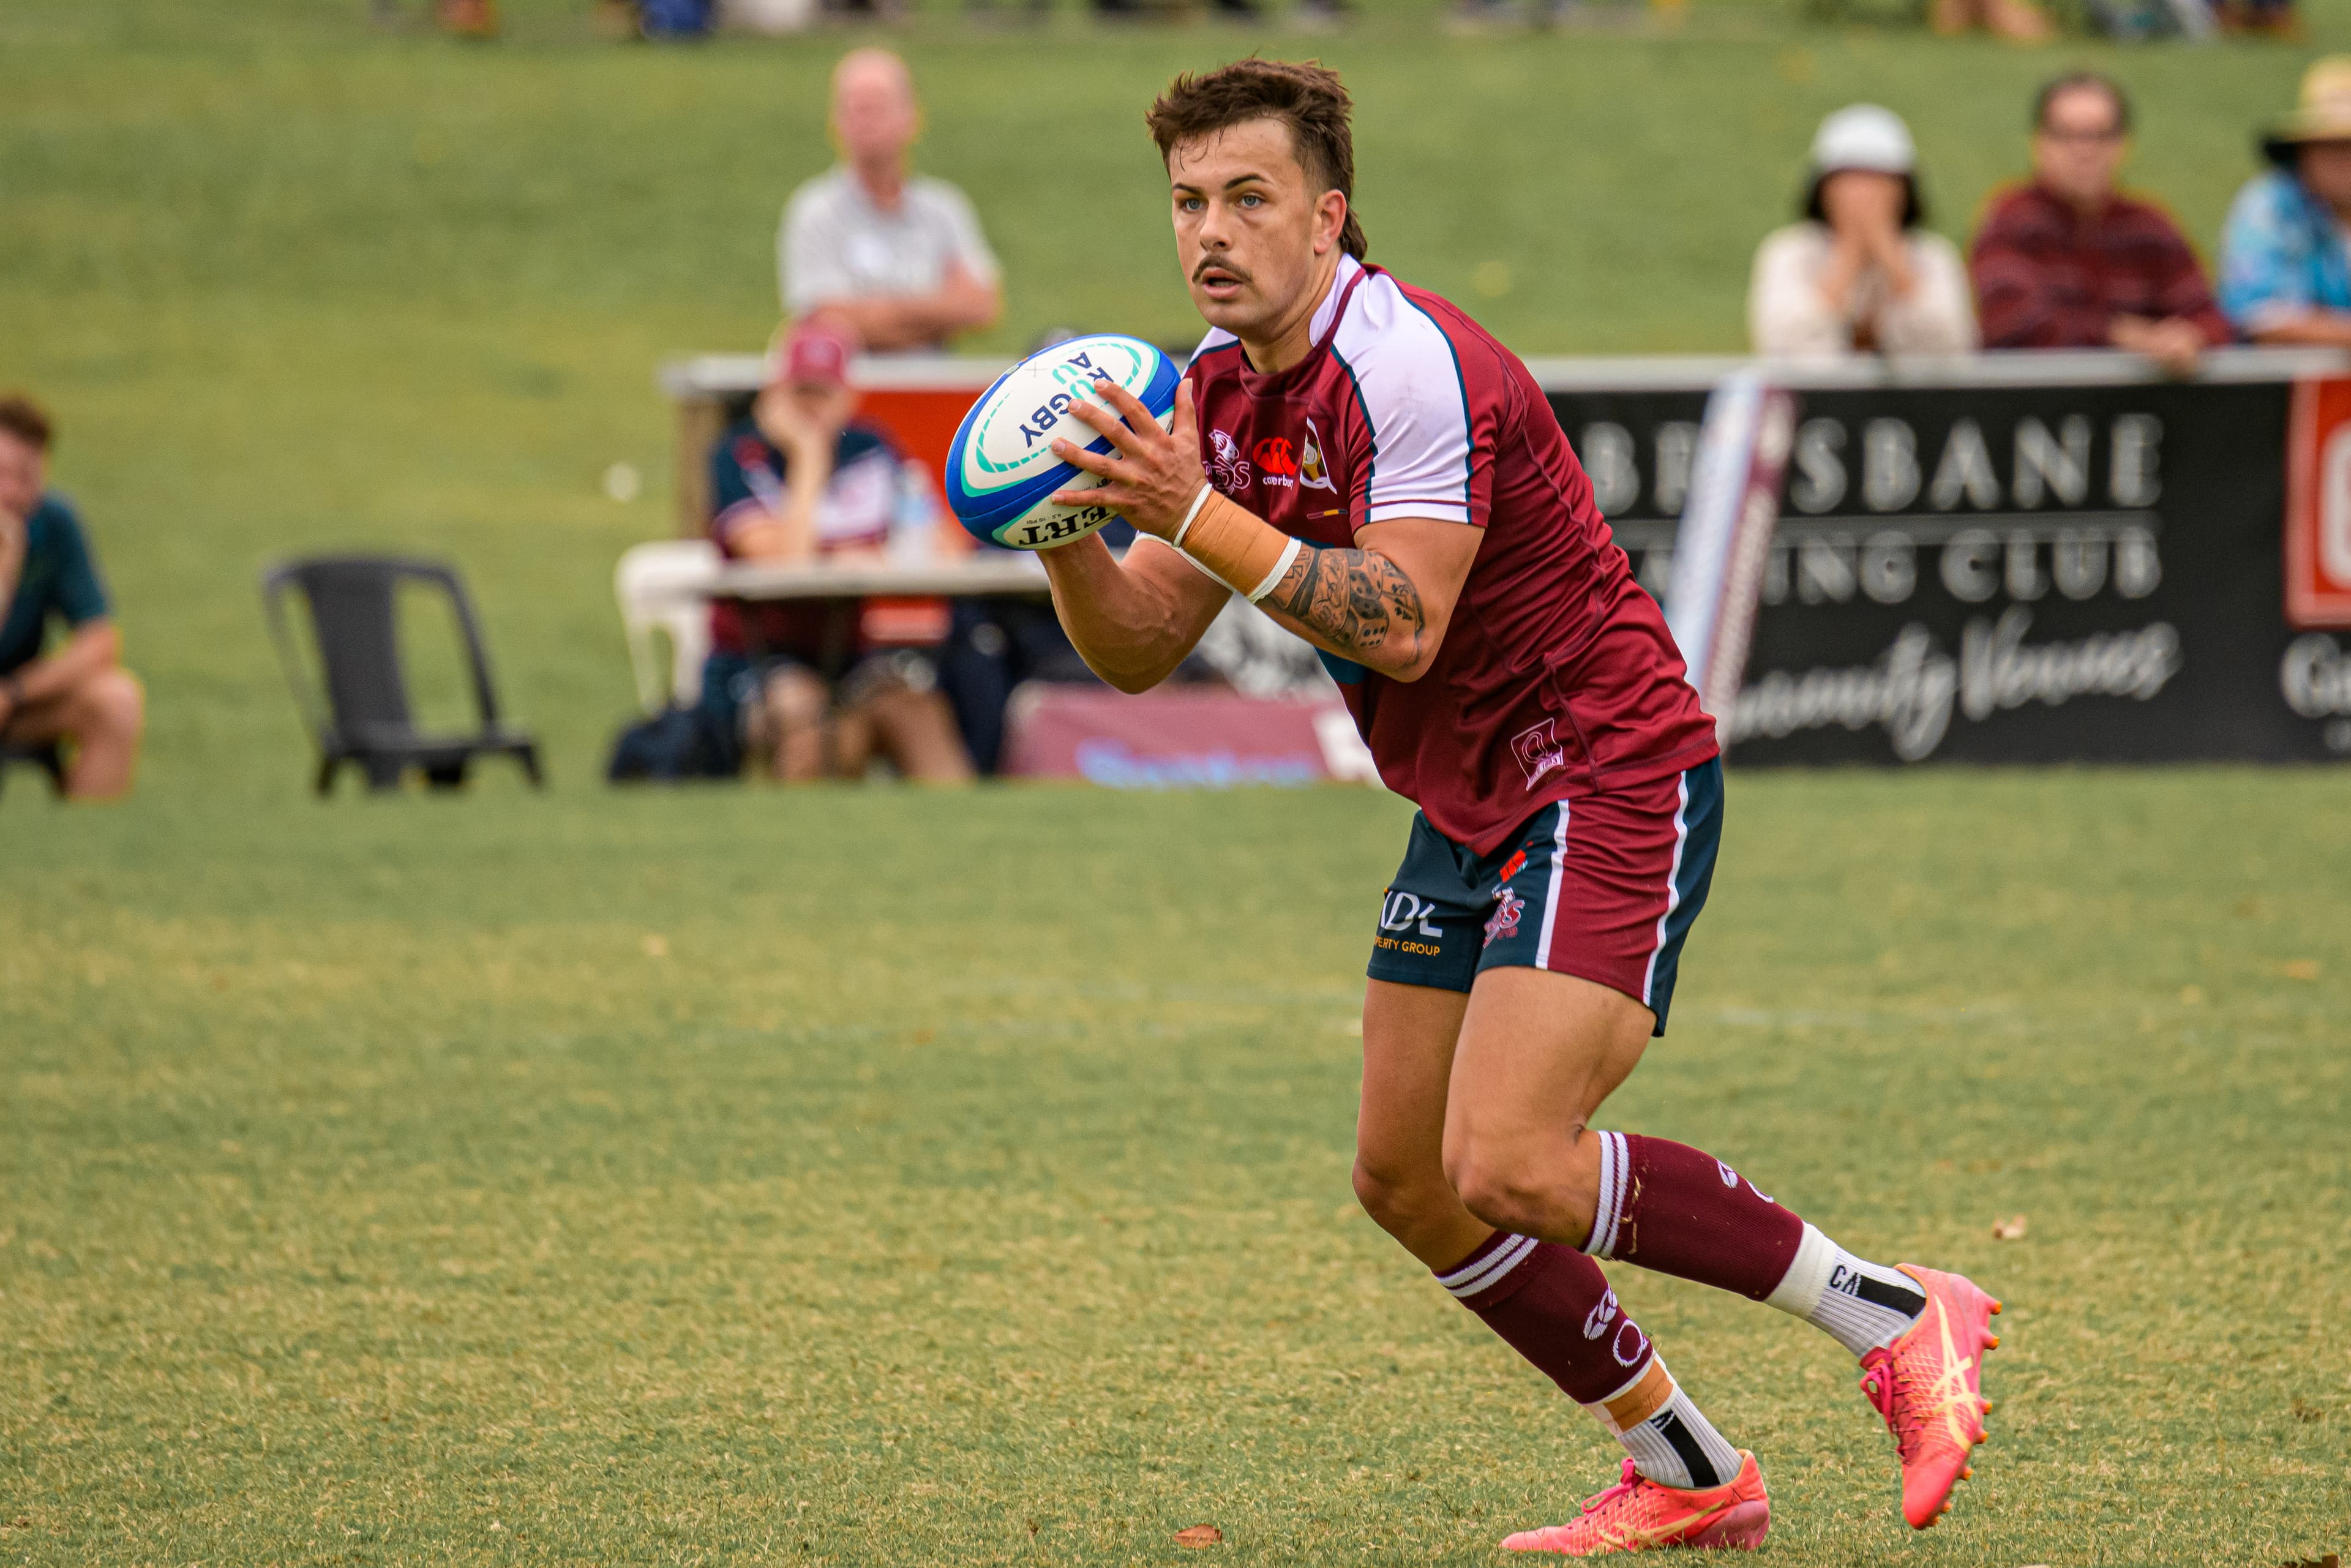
[(1675, 1445), (1860, 1304)]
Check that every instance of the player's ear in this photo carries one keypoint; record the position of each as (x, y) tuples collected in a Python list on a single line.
[(1330, 219)]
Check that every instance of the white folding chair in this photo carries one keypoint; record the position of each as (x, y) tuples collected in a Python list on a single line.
[(662, 587)]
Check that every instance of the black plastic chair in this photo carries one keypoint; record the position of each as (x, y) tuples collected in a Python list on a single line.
[(47, 756), (366, 717)]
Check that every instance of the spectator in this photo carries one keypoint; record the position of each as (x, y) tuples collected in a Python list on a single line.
[(2284, 273), (803, 478), (1858, 274), (894, 257), (2017, 20), (77, 693), (2066, 262)]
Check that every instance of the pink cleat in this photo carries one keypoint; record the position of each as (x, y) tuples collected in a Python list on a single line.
[(1928, 1384), (1636, 1514)]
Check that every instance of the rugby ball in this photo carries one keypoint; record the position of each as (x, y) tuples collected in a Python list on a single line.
[(1001, 469)]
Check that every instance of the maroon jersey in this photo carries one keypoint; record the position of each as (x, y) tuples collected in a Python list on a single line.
[(1557, 677)]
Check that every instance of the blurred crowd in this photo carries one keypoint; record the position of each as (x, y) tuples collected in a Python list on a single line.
[(2065, 259)]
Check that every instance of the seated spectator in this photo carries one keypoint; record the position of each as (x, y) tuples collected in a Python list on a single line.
[(2285, 276), (77, 692), (799, 479), (896, 257), (1859, 275), (2066, 262)]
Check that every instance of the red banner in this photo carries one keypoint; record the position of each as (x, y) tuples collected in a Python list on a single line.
[(1181, 740), (2318, 505)]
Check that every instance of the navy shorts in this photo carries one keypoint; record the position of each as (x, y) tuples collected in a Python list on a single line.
[(1603, 887)]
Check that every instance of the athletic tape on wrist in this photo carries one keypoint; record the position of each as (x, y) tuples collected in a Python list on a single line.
[(1198, 501), (1241, 548)]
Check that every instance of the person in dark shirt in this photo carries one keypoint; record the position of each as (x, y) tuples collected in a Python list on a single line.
[(800, 480), (2067, 262), (76, 692)]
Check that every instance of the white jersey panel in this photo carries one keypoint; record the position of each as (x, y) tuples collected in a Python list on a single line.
[(1414, 398)]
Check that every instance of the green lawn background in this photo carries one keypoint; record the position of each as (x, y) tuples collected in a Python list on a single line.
[(873, 1177)]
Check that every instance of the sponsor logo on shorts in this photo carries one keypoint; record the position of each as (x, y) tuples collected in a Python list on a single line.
[(1227, 469), (1504, 922), (1404, 911), (1539, 751)]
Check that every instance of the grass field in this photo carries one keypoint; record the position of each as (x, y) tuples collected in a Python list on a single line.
[(880, 1179), (864, 1178)]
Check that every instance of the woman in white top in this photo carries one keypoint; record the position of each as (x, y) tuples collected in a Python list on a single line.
[(1859, 275)]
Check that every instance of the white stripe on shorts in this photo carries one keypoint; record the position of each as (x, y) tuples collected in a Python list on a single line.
[(1673, 891), (1550, 899), (1615, 1165), (1488, 1269)]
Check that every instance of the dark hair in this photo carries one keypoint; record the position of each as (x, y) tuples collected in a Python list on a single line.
[(21, 417), (2072, 81), (1914, 205), (1307, 97)]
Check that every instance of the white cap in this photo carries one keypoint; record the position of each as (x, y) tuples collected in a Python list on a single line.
[(1864, 136)]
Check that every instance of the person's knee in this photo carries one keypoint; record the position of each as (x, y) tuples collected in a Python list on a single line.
[(1402, 1202), (795, 698), (1519, 1186), (112, 705)]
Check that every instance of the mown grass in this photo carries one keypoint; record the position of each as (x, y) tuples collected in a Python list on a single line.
[(880, 1177), (887, 1178)]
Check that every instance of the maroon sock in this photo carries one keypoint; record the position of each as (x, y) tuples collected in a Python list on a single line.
[(1553, 1305), (1678, 1210)]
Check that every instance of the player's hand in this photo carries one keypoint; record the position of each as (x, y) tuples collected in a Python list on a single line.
[(1154, 475)]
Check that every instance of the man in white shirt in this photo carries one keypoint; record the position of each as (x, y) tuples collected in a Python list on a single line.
[(894, 257)]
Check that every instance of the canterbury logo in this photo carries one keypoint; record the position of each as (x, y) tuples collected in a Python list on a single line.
[(1603, 1313)]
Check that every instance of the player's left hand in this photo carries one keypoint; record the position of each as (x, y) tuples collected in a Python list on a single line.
[(1154, 475)]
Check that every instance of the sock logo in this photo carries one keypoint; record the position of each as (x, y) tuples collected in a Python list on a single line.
[(1603, 1313), (1845, 1281), (1730, 1178), (1640, 1343)]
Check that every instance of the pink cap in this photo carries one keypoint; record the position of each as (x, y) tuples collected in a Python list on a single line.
[(812, 353)]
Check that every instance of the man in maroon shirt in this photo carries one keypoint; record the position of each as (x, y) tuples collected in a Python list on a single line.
[(2066, 262), (1384, 478)]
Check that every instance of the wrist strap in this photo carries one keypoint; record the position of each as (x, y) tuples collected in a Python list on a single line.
[(1280, 569), (1198, 501)]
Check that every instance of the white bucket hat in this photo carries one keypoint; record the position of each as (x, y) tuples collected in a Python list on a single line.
[(1864, 136)]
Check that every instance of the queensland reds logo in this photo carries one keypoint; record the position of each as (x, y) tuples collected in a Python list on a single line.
[(1508, 907), (1538, 750)]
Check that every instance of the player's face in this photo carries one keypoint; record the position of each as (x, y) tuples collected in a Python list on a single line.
[(1250, 228), (23, 475)]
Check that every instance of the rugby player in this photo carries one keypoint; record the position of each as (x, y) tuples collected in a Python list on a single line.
[(1384, 478)]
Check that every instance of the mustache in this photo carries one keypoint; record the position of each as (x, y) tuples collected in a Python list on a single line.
[(1217, 264)]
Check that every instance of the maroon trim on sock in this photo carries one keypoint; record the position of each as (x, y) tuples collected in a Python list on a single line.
[(1554, 1308), (1687, 1214)]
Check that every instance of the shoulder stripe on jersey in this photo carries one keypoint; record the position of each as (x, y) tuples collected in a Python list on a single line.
[(1468, 427), (1372, 466)]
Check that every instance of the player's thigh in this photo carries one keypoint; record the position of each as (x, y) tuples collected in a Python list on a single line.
[(1408, 1036), (1538, 1054)]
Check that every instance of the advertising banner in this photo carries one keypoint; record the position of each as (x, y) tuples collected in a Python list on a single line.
[(2031, 573)]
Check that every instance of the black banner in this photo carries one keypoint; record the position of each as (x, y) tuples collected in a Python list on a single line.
[(2009, 574)]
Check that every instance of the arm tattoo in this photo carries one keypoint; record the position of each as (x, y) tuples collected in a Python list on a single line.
[(1354, 600)]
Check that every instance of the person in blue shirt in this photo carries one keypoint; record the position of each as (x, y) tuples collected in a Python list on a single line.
[(803, 479), (2285, 250), (77, 690)]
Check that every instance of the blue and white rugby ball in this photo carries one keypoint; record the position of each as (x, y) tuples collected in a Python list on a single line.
[(1001, 468)]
